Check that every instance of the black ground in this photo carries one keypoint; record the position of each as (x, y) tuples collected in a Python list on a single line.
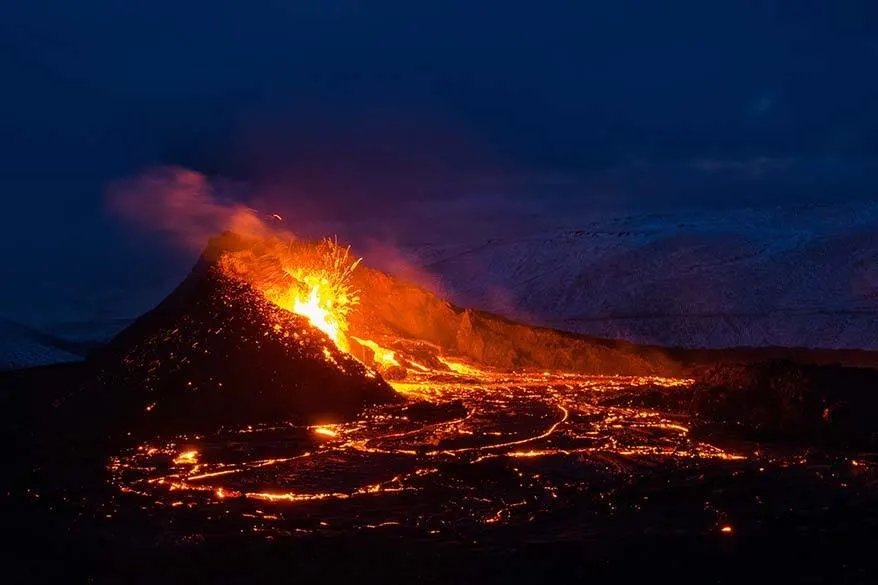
[(58, 530)]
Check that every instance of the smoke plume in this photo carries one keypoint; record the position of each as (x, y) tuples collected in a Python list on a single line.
[(186, 207)]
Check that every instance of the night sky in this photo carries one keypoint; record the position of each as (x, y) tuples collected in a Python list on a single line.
[(639, 100)]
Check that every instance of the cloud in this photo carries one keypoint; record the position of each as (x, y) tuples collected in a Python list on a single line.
[(185, 206)]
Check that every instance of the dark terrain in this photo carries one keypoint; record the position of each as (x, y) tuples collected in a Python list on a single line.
[(625, 486)]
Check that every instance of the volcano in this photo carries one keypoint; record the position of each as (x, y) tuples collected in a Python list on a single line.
[(217, 352), (264, 331)]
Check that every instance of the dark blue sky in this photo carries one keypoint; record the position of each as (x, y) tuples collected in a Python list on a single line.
[(391, 95)]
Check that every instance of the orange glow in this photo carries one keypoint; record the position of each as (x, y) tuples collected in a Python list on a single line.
[(312, 281), (325, 431), (460, 368), (315, 309), (186, 457), (515, 419), (294, 497), (382, 356)]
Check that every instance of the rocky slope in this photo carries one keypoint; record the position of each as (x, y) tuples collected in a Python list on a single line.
[(216, 352)]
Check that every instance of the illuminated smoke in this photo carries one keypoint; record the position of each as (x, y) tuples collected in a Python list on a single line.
[(185, 206)]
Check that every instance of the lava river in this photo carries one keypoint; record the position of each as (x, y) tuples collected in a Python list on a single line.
[(554, 455)]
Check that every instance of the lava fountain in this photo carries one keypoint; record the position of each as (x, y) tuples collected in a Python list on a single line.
[(312, 280)]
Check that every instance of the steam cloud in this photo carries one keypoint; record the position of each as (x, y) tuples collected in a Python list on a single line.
[(188, 208), (185, 205)]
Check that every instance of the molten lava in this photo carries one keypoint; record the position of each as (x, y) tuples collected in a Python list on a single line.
[(317, 313), (312, 281)]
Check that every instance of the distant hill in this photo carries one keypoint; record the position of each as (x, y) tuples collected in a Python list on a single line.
[(802, 276), (22, 347)]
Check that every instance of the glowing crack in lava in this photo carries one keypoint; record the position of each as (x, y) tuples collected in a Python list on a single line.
[(523, 447)]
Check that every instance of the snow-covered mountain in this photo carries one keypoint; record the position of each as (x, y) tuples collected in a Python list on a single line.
[(792, 276), (22, 347)]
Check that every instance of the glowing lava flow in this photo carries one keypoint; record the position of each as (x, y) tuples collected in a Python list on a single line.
[(382, 355), (523, 432), (319, 315)]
